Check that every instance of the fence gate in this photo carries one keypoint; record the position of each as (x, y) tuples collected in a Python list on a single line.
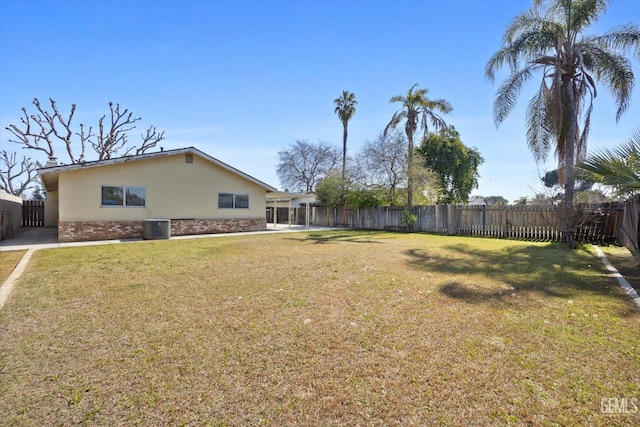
[(33, 213)]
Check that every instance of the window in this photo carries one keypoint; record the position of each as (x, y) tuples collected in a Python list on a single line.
[(123, 196), (242, 201), (233, 201), (112, 196), (136, 196)]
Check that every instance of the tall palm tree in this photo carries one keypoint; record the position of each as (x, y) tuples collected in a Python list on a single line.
[(550, 38), (345, 109), (619, 168), (416, 110)]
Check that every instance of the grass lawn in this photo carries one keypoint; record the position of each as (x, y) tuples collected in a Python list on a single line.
[(624, 262), (8, 261), (339, 328)]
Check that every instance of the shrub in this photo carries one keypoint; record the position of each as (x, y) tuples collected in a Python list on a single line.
[(408, 219)]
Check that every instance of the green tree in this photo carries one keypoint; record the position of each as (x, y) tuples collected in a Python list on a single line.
[(345, 109), (358, 197), (331, 189), (618, 168), (550, 38), (417, 110), (455, 164), (552, 179)]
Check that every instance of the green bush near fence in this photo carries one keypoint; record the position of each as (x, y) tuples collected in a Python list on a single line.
[(408, 220)]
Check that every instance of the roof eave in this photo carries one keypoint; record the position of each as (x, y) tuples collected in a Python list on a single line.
[(99, 163)]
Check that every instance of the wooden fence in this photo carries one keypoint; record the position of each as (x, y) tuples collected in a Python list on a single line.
[(629, 231), (598, 224), (33, 213)]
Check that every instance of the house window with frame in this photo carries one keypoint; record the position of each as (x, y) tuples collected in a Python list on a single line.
[(233, 201), (123, 196)]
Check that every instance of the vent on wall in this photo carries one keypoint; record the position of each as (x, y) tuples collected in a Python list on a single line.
[(188, 158), (156, 229)]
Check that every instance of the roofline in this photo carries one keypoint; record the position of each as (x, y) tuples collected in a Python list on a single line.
[(285, 195), (98, 163)]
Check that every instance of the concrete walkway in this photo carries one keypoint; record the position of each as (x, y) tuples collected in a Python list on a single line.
[(622, 282), (36, 238), (7, 286)]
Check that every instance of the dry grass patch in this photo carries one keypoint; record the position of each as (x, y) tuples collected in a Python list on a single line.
[(625, 263), (8, 261), (332, 328)]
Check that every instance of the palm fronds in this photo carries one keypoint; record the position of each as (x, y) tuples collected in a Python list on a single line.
[(550, 37), (618, 168)]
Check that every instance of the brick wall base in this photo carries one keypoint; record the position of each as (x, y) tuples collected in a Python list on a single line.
[(78, 231), (184, 227)]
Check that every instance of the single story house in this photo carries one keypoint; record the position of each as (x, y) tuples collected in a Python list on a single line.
[(113, 199)]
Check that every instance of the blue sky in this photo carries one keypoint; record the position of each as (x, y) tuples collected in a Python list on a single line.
[(241, 80)]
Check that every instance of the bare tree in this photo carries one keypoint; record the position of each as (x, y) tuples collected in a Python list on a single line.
[(45, 130), (382, 164), (303, 164), (112, 138), (40, 131), (17, 176)]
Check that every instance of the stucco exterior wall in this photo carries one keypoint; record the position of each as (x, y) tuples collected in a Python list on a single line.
[(175, 190), (10, 214), (51, 209)]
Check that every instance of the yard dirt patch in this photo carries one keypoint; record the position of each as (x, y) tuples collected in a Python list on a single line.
[(335, 328)]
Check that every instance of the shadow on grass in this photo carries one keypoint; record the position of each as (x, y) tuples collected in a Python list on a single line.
[(551, 270), (337, 237)]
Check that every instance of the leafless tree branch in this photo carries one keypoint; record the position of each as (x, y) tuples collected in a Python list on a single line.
[(303, 164), (149, 141), (16, 177), (43, 130), (48, 127)]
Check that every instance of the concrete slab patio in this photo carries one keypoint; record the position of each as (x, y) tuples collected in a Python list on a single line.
[(30, 236)]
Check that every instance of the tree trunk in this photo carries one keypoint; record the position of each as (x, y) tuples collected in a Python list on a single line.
[(344, 151), (410, 171), (569, 160)]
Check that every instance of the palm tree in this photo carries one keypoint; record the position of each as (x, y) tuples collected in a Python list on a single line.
[(619, 168), (416, 109), (345, 109), (550, 38)]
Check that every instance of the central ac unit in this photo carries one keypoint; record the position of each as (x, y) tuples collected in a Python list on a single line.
[(156, 229)]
